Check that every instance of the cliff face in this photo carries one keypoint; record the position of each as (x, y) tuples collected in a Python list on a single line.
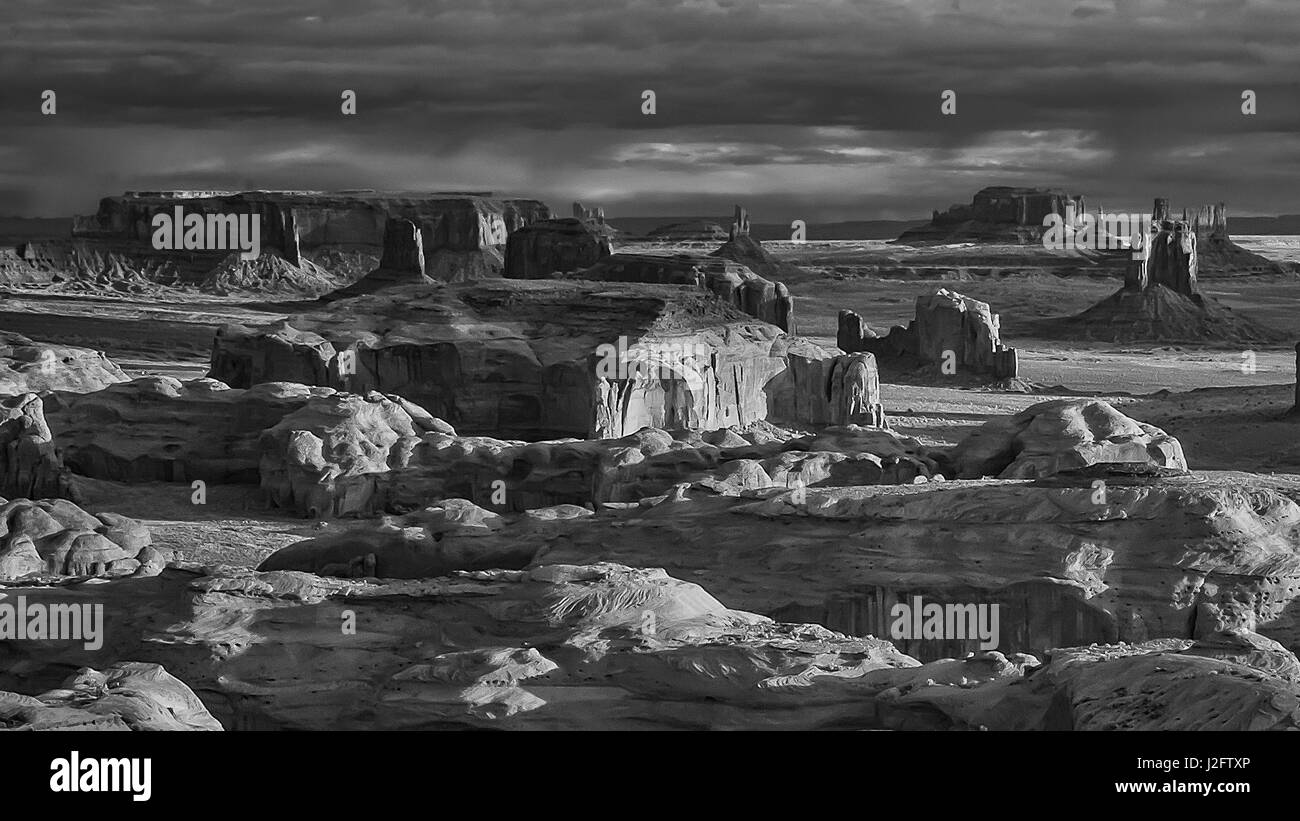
[(529, 360), (461, 234), (945, 322), (997, 214), (549, 247)]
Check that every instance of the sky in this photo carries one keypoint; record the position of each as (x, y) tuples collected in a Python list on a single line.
[(814, 109)]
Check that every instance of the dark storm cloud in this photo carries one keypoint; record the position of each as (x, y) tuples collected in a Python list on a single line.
[(817, 110)]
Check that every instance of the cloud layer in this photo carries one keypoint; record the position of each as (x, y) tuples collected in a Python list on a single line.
[(811, 109)]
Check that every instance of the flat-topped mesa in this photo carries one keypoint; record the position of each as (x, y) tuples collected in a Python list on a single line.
[(733, 282), (452, 225), (1165, 254), (402, 263), (957, 334), (556, 246), (536, 360), (997, 214)]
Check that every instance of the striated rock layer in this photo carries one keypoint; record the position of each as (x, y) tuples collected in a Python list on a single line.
[(955, 333), (604, 646), (533, 360)]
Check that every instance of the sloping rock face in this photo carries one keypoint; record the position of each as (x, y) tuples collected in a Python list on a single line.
[(29, 465), (1068, 565), (604, 646), (733, 283), (33, 367), (1158, 314), (997, 214), (125, 696), (528, 360), (1063, 435), (53, 537), (549, 247), (949, 330)]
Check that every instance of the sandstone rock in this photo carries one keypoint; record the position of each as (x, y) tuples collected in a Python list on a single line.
[(29, 465), (159, 429), (949, 330), (605, 646), (325, 457), (549, 247), (997, 214), (1062, 434), (54, 537), (125, 696), (528, 359), (33, 367)]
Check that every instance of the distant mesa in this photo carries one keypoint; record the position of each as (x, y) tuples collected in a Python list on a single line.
[(997, 214), (312, 242), (700, 231), (559, 246)]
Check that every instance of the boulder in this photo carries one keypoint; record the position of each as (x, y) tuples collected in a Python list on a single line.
[(34, 367), (54, 537), (127, 695), (1063, 435)]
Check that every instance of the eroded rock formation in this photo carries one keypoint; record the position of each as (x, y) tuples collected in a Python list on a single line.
[(125, 696), (29, 465), (33, 367), (1063, 435), (997, 214), (955, 333), (531, 360), (54, 537), (559, 246)]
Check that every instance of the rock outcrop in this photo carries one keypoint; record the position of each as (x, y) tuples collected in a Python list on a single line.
[(1160, 299), (33, 367), (325, 458), (1063, 435), (29, 465), (300, 234), (603, 646), (125, 696), (550, 247), (997, 214), (529, 360), (954, 333), (53, 537)]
